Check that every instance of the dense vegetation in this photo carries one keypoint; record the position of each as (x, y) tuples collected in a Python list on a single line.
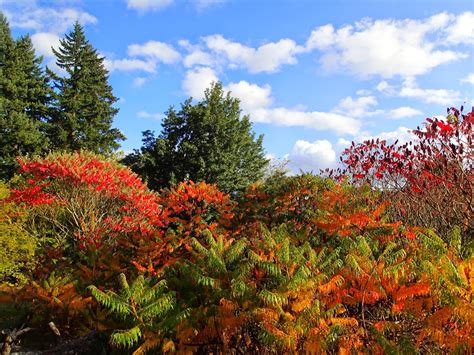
[(377, 257), (208, 141)]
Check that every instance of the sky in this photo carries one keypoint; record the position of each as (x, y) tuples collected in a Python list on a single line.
[(312, 75)]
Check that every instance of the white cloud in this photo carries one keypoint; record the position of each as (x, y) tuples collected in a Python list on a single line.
[(204, 4), (256, 100), (311, 156), (462, 29), (383, 86), (147, 115), (43, 41), (468, 79), (56, 20), (340, 124), (266, 58), (402, 134), (139, 81), (363, 92), (358, 107), (155, 50), (410, 89), (143, 6), (197, 57), (196, 81), (403, 112), (251, 96), (151, 53), (148, 5), (383, 47), (343, 143), (130, 65)]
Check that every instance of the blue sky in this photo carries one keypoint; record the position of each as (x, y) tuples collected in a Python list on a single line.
[(313, 75)]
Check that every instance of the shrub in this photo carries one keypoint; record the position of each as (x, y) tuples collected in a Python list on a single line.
[(17, 246), (429, 181)]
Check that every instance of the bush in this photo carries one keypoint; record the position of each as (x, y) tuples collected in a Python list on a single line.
[(358, 282), (17, 246), (429, 181)]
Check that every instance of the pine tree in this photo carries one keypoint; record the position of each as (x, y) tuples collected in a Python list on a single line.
[(84, 99), (24, 97), (208, 141)]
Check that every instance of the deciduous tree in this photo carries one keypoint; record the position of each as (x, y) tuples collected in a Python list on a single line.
[(207, 141)]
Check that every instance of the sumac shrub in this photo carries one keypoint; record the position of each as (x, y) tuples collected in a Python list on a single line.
[(428, 181)]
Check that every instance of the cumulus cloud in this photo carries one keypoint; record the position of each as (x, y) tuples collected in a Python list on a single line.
[(43, 43), (358, 107), (462, 29), (196, 81), (196, 55), (402, 134), (468, 79), (130, 65), (403, 112), (266, 58), (154, 50), (386, 47), (54, 20), (311, 156), (256, 101), (340, 124), (251, 96), (145, 57), (148, 5), (410, 89)]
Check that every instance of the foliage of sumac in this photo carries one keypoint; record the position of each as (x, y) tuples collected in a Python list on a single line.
[(301, 264), (430, 180)]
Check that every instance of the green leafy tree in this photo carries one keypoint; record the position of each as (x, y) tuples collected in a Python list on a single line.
[(207, 141), (25, 95), (84, 99)]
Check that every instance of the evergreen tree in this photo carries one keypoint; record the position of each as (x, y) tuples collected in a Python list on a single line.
[(84, 99), (208, 141), (24, 98)]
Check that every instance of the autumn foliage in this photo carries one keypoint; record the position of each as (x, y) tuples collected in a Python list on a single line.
[(430, 180), (297, 264)]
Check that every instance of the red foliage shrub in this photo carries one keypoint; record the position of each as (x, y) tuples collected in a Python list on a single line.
[(430, 180)]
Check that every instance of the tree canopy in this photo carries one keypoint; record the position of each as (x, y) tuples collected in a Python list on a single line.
[(206, 141), (24, 98), (84, 99)]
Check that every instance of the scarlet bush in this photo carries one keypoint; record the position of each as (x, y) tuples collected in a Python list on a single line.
[(189, 208), (429, 181)]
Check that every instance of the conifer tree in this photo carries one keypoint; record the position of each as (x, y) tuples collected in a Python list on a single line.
[(24, 98), (207, 141), (84, 99)]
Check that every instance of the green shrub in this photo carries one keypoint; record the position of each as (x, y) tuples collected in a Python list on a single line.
[(17, 247)]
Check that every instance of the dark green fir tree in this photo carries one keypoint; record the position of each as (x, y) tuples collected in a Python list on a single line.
[(84, 100), (207, 141), (25, 95)]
